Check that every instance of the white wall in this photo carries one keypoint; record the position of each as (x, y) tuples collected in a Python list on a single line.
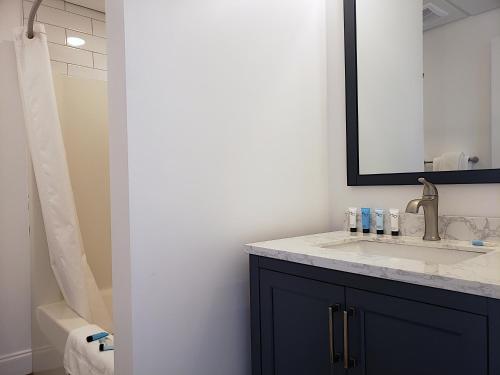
[(457, 88), (495, 100), (227, 144), (119, 190), (390, 86), (15, 297), (480, 200)]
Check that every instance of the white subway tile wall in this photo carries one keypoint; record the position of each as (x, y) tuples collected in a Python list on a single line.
[(70, 55), (81, 71), (54, 3), (100, 61), (59, 67), (63, 20), (92, 43), (55, 34), (59, 17), (99, 28), (77, 9)]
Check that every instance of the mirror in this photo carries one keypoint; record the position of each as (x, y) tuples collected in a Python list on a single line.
[(423, 90)]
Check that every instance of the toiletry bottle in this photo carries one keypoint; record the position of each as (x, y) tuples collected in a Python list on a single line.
[(379, 220), (365, 219), (353, 225), (394, 213)]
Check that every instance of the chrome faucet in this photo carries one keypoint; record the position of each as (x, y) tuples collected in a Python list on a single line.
[(429, 202)]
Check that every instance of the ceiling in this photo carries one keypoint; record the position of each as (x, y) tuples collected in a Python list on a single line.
[(92, 4), (457, 9)]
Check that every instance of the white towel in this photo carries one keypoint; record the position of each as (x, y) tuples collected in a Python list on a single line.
[(84, 358), (451, 161)]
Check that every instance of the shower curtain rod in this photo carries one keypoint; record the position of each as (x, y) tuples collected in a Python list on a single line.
[(31, 19)]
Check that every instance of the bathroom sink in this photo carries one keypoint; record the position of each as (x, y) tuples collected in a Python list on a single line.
[(403, 251)]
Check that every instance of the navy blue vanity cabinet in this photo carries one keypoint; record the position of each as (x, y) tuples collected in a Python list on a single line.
[(394, 336), (313, 321), (299, 322)]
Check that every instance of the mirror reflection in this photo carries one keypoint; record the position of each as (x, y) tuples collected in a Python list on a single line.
[(428, 85)]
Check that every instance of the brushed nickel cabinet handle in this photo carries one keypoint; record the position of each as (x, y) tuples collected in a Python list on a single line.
[(334, 357), (346, 339), (348, 362)]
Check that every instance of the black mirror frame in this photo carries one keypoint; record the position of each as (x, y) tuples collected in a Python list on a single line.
[(354, 178)]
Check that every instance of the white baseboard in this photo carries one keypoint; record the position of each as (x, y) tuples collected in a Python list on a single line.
[(27, 361), (19, 363)]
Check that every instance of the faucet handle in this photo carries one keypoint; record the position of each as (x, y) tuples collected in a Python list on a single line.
[(429, 188)]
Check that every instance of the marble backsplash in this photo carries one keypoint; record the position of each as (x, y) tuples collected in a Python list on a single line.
[(464, 228)]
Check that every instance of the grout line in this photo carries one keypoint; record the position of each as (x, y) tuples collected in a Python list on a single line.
[(67, 62), (81, 6), (59, 44), (86, 67), (65, 44), (88, 50), (73, 47), (64, 10), (62, 27), (48, 6), (70, 47), (81, 32), (81, 66), (69, 28), (97, 53), (60, 62)]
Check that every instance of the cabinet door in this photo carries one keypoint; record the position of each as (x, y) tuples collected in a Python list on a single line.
[(301, 325), (394, 336)]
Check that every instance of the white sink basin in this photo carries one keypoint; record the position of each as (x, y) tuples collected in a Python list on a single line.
[(421, 253)]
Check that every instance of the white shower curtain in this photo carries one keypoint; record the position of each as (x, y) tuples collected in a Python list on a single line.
[(45, 142)]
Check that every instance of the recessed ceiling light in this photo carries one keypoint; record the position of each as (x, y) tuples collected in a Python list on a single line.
[(75, 41)]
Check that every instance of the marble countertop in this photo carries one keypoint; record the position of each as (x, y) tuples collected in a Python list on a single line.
[(479, 275)]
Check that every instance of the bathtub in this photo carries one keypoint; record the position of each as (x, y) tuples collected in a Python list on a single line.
[(56, 320)]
